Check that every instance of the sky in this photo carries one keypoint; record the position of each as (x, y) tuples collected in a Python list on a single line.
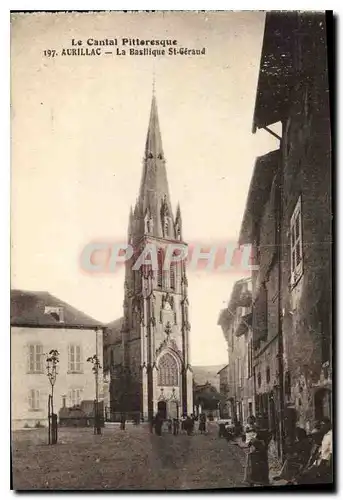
[(79, 125)]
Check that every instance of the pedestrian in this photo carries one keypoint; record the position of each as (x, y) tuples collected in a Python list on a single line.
[(202, 423), (176, 425), (251, 420), (189, 424), (183, 423), (319, 469), (122, 421), (257, 468), (158, 424), (307, 475), (151, 423), (192, 422), (170, 425), (297, 455)]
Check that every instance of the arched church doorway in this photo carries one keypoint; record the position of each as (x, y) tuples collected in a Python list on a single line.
[(322, 404), (162, 409), (173, 409)]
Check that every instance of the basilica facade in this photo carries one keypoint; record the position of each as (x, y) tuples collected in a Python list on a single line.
[(153, 372)]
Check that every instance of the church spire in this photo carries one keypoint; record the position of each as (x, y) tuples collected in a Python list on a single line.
[(131, 224), (154, 191), (153, 145)]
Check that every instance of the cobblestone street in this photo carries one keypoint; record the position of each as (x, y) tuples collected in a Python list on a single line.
[(130, 459)]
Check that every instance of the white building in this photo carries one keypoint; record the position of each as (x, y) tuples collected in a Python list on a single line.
[(41, 322)]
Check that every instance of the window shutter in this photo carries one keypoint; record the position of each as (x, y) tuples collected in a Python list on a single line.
[(37, 402), (69, 358), (31, 400), (31, 358), (78, 358), (39, 358)]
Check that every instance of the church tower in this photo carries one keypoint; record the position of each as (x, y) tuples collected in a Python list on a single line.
[(155, 332)]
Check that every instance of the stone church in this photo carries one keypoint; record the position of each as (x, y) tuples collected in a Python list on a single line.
[(154, 373)]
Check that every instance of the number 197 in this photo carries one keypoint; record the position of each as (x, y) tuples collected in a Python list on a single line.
[(49, 53)]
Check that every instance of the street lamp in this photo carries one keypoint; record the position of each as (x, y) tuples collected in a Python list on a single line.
[(96, 367), (52, 361)]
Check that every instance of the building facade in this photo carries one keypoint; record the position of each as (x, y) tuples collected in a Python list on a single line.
[(288, 221), (154, 354), (237, 376), (39, 323), (224, 390)]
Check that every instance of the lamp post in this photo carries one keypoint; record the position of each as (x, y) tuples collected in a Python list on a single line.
[(52, 361), (96, 367)]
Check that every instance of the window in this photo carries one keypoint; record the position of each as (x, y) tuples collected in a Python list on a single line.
[(268, 374), (168, 371), (75, 397), (296, 244), (34, 402), (172, 275), (259, 379), (55, 312), (250, 360), (74, 359), (35, 358), (160, 267)]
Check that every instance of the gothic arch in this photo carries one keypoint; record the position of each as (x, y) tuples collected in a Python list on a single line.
[(168, 369)]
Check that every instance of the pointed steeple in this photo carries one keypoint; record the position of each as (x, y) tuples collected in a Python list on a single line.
[(153, 144), (154, 190), (130, 229), (178, 222)]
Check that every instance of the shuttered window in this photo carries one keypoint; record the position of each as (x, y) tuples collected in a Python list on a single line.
[(34, 399), (74, 359), (35, 358), (75, 397)]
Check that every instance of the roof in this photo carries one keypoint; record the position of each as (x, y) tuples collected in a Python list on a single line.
[(113, 331), (276, 68), (154, 196), (28, 309), (222, 369), (259, 191), (287, 35)]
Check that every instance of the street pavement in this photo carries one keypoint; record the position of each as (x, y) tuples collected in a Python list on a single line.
[(133, 459)]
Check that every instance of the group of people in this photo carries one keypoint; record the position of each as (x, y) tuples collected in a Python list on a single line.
[(308, 456), (186, 424)]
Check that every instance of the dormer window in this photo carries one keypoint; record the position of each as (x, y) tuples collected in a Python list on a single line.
[(55, 312)]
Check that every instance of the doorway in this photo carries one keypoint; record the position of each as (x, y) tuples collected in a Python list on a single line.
[(162, 409), (173, 410), (322, 404)]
